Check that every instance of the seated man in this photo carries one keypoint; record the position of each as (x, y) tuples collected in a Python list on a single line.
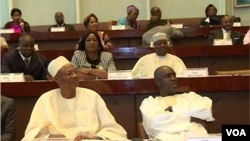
[(60, 22), (171, 116), (145, 66), (25, 60), (226, 33), (156, 11), (8, 119), (172, 33), (70, 111)]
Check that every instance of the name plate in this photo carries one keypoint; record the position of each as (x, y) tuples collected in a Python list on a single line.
[(53, 139), (12, 77), (10, 30), (118, 27), (119, 74), (209, 137), (219, 42), (57, 29), (196, 72), (177, 25), (237, 24)]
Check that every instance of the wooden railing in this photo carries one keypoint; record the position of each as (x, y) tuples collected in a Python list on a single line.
[(230, 95)]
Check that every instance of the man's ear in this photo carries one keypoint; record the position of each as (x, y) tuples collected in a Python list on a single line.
[(56, 78), (157, 82)]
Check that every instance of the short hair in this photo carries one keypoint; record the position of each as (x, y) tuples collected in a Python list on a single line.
[(87, 19), (81, 44), (208, 7), (154, 8), (14, 10)]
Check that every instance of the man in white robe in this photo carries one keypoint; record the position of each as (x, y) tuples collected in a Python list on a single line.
[(146, 65), (173, 116), (70, 111)]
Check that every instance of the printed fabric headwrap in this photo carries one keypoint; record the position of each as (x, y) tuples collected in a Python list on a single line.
[(130, 8)]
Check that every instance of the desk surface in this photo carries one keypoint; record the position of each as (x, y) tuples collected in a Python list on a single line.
[(230, 95), (114, 34), (137, 52), (137, 86)]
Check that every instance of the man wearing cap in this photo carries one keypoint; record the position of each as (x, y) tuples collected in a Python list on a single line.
[(146, 65), (70, 111)]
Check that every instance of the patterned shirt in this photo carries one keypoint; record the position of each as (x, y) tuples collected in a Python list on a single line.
[(79, 60)]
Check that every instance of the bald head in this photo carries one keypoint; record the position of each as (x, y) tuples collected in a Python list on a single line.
[(155, 11), (59, 17), (58, 14), (25, 38), (26, 44), (160, 71), (165, 79)]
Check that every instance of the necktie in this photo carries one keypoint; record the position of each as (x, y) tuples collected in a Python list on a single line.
[(26, 61)]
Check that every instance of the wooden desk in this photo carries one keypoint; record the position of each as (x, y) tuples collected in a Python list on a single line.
[(215, 58), (120, 38), (230, 95)]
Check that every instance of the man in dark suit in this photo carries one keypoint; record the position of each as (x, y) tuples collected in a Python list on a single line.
[(59, 17), (8, 119), (226, 33), (25, 60)]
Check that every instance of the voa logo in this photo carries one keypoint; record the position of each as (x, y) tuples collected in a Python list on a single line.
[(236, 132)]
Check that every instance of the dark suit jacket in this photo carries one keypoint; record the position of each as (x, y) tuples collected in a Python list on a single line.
[(8, 119), (68, 27), (13, 63), (237, 37)]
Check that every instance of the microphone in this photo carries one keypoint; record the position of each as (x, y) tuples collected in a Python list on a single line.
[(40, 60)]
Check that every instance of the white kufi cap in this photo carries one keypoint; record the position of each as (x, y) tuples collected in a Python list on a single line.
[(56, 64), (159, 36)]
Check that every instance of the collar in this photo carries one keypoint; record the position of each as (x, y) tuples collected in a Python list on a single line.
[(225, 31), (23, 56), (60, 25)]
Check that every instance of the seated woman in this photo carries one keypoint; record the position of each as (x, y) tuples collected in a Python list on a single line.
[(210, 10), (91, 24), (130, 21), (91, 60), (18, 24)]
